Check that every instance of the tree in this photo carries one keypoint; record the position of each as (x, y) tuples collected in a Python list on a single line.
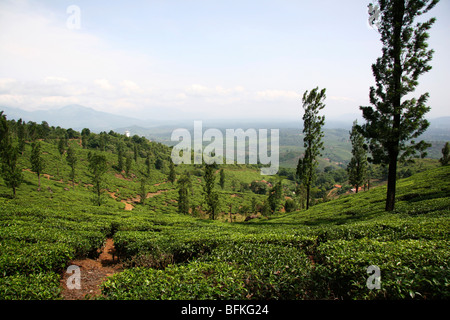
[(62, 146), (128, 164), (37, 163), (135, 152), (120, 158), (445, 154), (12, 173), (4, 135), (259, 187), (85, 133), (275, 197), (143, 188), (71, 161), (62, 143), (159, 164), (211, 196), (172, 174), (21, 135), (148, 163), (97, 167), (357, 168), (392, 124), (290, 205), (312, 140), (9, 154), (184, 186), (222, 178), (265, 209)]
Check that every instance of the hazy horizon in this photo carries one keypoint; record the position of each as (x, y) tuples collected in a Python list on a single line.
[(200, 59)]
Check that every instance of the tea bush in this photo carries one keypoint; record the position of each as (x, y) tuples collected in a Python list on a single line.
[(409, 269), (193, 281), (35, 286)]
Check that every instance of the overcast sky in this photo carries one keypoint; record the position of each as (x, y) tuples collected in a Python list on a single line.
[(219, 59)]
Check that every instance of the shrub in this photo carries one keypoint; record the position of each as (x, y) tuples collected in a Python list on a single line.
[(193, 281)]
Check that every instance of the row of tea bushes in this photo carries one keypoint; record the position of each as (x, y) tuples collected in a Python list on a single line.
[(408, 269)]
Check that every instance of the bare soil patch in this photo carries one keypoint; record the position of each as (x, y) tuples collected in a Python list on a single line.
[(93, 273)]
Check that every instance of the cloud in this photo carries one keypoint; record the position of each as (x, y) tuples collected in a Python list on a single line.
[(53, 80), (198, 90), (104, 84), (277, 95), (129, 87)]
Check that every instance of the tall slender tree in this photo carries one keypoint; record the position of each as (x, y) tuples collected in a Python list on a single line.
[(393, 123), (143, 188), (85, 137), (72, 161), (211, 196), (37, 163), (119, 157), (445, 154), (9, 154), (128, 164), (97, 167), (357, 168), (275, 197), (172, 174), (313, 102), (222, 178), (148, 163), (184, 186)]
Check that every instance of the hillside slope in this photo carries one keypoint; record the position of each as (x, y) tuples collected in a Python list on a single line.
[(322, 253)]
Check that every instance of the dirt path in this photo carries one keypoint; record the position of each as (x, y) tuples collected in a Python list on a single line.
[(93, 273)]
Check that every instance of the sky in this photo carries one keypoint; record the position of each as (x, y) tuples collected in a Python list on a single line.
[(200, 58)]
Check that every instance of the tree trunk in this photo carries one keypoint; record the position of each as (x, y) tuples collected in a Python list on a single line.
[(399, 11), (357, 187), (307, 197), (392, 179)]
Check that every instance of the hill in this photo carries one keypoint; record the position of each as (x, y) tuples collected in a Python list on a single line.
[(337, 151), (76, 117), (322, 253)]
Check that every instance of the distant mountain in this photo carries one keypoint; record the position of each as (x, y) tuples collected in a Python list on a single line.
[(76, 117)]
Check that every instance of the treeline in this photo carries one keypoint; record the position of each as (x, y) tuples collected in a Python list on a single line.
[(15, 135)]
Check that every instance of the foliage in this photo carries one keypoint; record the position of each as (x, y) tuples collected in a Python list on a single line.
[(97, 167), (211, 196), (392, 124), (322, 253), (196, 281), (357, 168), (275, 197), (184, 187), (312, 140), (35, 286), (71, 161), (445, 154)]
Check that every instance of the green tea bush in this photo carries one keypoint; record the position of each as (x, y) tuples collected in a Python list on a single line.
[(21, 257), (35, 286), (409, 269), (193, 281), (272, 271)]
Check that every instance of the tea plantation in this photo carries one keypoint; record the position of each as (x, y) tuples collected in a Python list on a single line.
[(321, 253)]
